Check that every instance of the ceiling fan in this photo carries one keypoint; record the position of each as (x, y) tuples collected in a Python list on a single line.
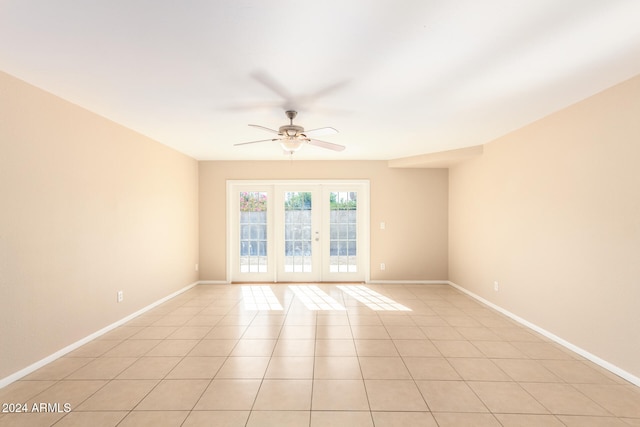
[(291, 137)]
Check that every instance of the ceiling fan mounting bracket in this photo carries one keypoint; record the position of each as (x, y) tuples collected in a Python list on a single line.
[(291, 114)]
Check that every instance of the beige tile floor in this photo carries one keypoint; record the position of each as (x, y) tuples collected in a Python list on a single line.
[(203, 359)]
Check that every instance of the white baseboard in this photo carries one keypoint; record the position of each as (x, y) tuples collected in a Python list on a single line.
[(582, 352), (213, 282), (40, 363)]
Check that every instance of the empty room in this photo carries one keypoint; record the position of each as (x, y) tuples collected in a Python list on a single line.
[(278, 213)]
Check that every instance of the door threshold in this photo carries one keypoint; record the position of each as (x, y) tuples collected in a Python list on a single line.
[(290, 283)]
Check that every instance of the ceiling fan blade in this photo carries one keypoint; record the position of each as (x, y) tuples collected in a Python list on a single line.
[(321, 131), (252, 106), (327, 90), (300, 101), (325, 144), (253, 142), (267, 129), (272, 84)]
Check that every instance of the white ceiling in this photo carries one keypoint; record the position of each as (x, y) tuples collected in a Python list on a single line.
[(410, 77)]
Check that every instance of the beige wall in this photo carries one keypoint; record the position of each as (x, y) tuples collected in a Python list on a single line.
[(87, 208), (552, 212), (412, 203)]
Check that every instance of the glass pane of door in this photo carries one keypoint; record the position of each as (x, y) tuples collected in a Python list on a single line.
[(298, 246), (343, 232), (253, 232)]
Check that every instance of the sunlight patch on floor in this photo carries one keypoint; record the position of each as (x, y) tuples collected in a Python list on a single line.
[(372, 299), (260, 298), (314, 298)]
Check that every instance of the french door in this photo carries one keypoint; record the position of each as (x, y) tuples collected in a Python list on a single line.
[(298, 231)]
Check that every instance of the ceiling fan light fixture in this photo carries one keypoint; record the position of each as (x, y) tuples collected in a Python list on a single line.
[(291, 144)]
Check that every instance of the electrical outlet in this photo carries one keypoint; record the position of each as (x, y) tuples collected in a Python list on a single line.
[(196, 267), (120, 296), (383, 225), (496, 286), (382, 266)]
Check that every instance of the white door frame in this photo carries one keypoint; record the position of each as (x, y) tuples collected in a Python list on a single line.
[(256, 185)]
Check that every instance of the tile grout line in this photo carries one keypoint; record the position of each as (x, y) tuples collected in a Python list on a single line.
[(171, 370), (364, 384), (268, 364)]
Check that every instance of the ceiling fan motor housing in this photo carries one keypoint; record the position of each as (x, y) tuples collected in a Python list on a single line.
[(290, 130)]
